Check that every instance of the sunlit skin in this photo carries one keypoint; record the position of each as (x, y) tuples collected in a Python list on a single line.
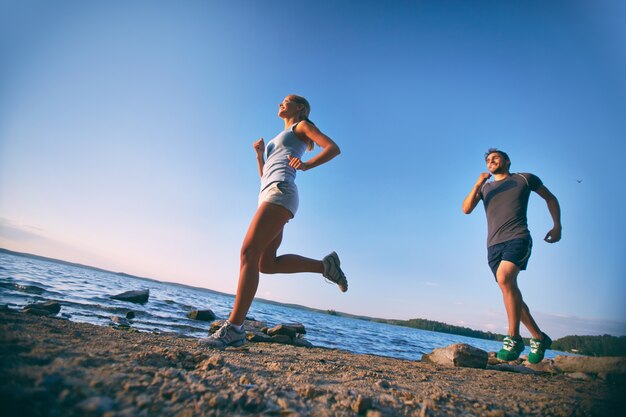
[(265, 233), (507, 272)]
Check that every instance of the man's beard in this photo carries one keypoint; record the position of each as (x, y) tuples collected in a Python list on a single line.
[(500, 170)]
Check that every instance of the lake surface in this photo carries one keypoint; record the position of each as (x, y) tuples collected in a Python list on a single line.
[(84, 294)]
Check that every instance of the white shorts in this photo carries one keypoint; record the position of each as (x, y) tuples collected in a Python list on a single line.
[(282, 193)]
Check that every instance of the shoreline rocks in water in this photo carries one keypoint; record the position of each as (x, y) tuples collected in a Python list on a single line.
[(47, 308), (139, 296), (54, 367), (201, 315), (257, 331)]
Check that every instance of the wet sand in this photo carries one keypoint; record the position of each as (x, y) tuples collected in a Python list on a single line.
[(54, 367)]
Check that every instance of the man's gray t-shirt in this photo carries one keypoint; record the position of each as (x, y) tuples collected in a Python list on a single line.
[(506, 203)]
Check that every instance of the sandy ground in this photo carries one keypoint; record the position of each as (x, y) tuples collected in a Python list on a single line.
[(54, 367)]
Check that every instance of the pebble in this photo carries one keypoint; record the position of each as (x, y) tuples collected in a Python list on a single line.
[(382, 384), (361, 404), (580, 375), (96, 405), (142, 400)]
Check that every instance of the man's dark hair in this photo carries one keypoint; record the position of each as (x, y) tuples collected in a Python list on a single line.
[(495, 150)]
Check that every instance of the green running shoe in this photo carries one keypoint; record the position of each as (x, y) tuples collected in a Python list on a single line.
[(512, 347), (538, 348)]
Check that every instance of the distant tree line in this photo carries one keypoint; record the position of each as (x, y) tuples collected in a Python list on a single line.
[(585, 345), (440, 327), (592, 345)]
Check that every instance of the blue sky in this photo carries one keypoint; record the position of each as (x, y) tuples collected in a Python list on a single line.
[(126, 133)]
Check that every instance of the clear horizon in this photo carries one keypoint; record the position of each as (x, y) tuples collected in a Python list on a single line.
[(126, 134)]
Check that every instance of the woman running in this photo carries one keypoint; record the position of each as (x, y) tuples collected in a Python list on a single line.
[(278, 203)]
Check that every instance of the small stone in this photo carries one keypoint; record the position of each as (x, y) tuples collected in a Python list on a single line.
[(120, 321), (382, 384), (219, 401), (201, 315), (213, 362), (361, 404), (130, 315), (143, 400), (307, 391), (96, 405)]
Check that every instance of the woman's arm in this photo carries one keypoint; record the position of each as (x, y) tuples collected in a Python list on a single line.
[(259, 148), (308, 131)]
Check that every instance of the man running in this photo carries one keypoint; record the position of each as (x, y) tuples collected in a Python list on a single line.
[(509, 243)]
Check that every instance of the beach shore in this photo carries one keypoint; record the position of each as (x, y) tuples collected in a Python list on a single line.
[(55, 367)]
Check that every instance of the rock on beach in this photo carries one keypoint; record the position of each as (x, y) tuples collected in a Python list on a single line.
[(591, 365), (459, 354)]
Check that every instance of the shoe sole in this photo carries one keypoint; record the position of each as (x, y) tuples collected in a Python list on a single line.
[(342, 282)]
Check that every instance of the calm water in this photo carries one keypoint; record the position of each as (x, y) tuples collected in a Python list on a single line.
[(84, 296)]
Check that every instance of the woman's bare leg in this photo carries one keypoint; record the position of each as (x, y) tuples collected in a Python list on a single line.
[(266, 225), (286, 264)]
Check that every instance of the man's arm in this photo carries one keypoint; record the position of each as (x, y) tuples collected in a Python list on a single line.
[(472, 199), (554, 235)]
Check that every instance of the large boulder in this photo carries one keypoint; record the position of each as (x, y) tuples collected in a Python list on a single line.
[(139, 296), (459, 355), (202, 315), (590, 365)]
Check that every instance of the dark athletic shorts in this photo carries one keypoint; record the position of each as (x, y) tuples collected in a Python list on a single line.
[(515, 250)]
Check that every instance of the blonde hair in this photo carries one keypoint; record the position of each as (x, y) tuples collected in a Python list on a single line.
[(304, 114)]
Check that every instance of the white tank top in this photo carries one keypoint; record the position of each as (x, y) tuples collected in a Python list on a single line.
[(276, 167)]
